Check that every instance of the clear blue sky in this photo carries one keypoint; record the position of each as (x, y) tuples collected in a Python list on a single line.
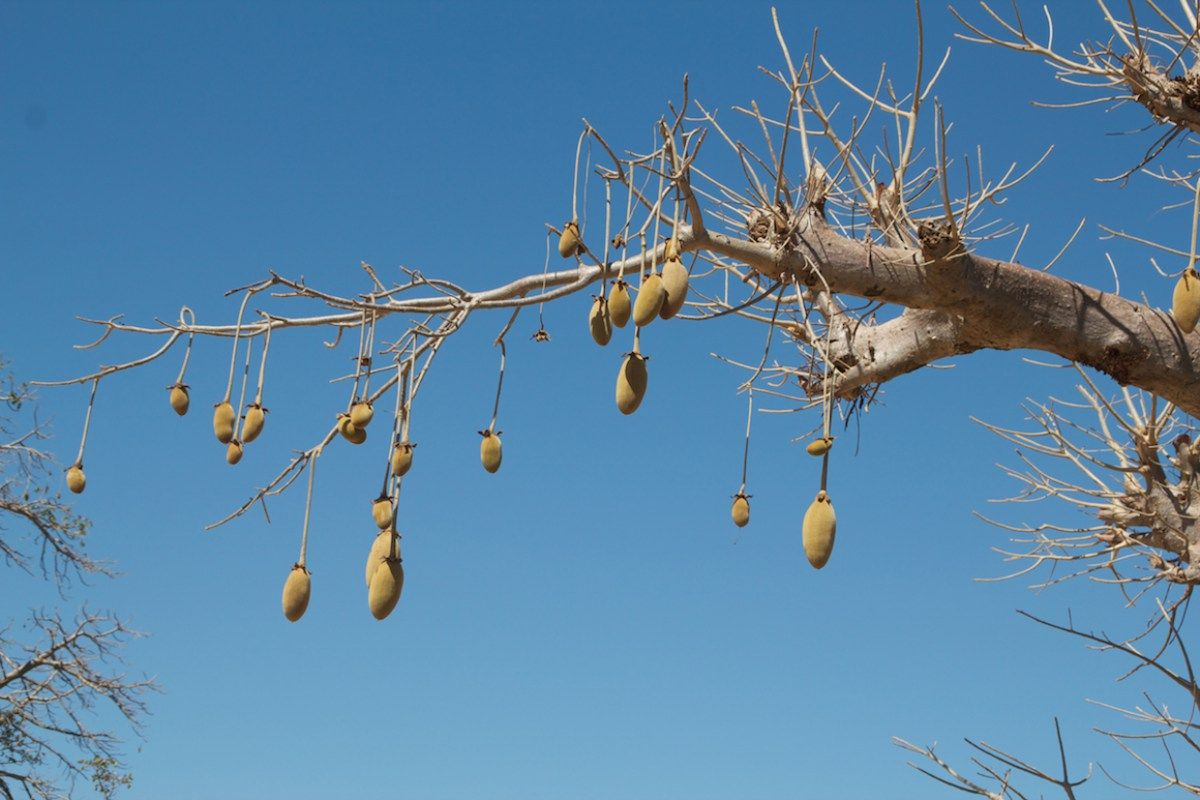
[(587, 623)]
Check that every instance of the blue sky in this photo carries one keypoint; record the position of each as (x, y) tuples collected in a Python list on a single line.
[(587, 623)]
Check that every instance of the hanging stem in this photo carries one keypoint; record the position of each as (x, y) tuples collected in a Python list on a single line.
[(239, 421), (262, 365), (187, 353), (575, 180), (662, 168), (312, 471), (746, 447), (410, 387), (87, 420), (628, 223), (499, 387), (402, 369), (545, 270), (607, 235), (500, 383), (587, 174), (237, 334), (365, 358), (362, 332)]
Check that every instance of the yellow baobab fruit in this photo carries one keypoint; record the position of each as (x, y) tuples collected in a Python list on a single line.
[(618, 303), (349, 431), (1185, 304), (75, 478), (179, 399), (740, 510), (402, 456), (489, 451), (820, 527), (386, 584), (381, 548), (233, 451), (297, 589), (223, 419), (568, 243), (381, 510), (631, 383), (252, 427), (649, 300), (819, 446), (675, 281), (599, 323), (361, 414)]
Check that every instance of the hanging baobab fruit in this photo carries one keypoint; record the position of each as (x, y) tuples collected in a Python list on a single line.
[(253, 424), (234, 451), (361, 414), (75, 478), (675, 283), (650, 297), (402, 457), (223, 419), (740, 511), (1185, 305), (568, 243), (381, 510), (380, 548), (820, 527), (599, 322), (387, 580), (489, 450), (819, 446), (297, 590), (179, 398), (631, 381), (179, 390), (618, 303), (349, 431)]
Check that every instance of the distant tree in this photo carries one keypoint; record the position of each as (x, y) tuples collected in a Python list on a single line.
[(866, 256), (54, 670)]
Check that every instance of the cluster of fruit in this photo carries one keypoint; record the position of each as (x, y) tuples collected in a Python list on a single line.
[(663, 296)]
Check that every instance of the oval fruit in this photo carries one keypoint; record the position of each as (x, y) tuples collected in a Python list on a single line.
[(649, 300), (297, 590), (631, 383), (179, 399), (361, 414), (489, 451), (740, 510), (381, 510), (349, 431), (386, 584), (252, 427), (819, 446), (820, 528), (568, 243), (381, 548), (75, 478), (618, 303), (234, 451), (675, 282), (223, 419), (402, 456), (599, 323), (1185, 304)]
